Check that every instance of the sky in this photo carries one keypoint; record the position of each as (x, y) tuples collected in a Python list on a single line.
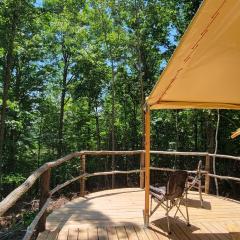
[(38, 3)]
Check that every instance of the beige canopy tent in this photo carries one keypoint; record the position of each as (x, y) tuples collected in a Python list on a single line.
[(204, 71)]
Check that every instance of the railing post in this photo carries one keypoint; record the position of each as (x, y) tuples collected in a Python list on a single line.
[(207, 178), (142, 167), (44, 195), (82, 171)]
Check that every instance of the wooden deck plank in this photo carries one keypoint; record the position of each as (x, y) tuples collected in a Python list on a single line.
[(121, 233), (53, 235), (234, 230), (43, 235), (132, 235), (182, 232), (92, 233), (203, 233), (151, 234), (160, 233), (63, 235), (82, 234), (209, 232), (163, 226), (141, 234), (112, 233), (221, 230), (73, 234), (102, 233), (117, 214)]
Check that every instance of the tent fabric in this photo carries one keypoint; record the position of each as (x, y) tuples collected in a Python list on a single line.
[(204, 71)]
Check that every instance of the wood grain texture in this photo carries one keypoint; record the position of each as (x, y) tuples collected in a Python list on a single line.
[(207, 178)]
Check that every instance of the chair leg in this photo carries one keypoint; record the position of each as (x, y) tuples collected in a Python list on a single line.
[(186, 205), (151, 205), (168, 223), (200, 193), (177, 206)]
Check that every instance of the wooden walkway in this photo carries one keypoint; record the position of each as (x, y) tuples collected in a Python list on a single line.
[(118, 214)]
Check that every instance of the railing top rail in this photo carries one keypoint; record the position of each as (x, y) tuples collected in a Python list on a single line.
[(134, 152), (201, 154), (16, 194), (104, 153), (224, 156)]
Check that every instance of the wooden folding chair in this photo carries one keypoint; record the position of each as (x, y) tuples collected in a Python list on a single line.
[(171, 196)]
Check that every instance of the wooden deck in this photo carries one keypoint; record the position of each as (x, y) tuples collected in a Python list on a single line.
[(118, 214)]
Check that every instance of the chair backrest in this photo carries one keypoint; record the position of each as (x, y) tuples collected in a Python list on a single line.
[(176, 184), (199, 168)]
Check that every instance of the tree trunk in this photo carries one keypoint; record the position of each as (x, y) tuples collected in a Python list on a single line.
[(39, 142), (177, 139), (215, 152), (97, 128), (126, 133), (140, 76), (196, 132), (209, 134), (209, 128), (61, 119), (6, 84), (110, 57), (140, 70), (113, 123), (14, 134), (134, 141), (63, 96), (88, 145)]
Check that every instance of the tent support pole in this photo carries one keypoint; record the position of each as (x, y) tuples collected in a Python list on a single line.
[(147, 165)]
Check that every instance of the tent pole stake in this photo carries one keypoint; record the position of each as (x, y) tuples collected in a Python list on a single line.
[(147, 165)]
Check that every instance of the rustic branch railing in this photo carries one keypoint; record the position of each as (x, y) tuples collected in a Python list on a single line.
[(10, 200), (44, 174)]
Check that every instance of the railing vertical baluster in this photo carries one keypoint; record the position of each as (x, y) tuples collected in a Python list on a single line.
[(207, 178), (142, 166), (82, 171), (44, 195)]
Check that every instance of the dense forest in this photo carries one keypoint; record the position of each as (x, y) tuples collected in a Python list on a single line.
[(74, 75)]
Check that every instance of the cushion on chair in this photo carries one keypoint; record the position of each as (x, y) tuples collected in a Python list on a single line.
[(158, 192)]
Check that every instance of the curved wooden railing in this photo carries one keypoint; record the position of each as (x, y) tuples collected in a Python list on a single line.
[(44, 173)]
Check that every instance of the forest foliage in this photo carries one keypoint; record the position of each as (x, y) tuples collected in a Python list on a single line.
[(74, 75)]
